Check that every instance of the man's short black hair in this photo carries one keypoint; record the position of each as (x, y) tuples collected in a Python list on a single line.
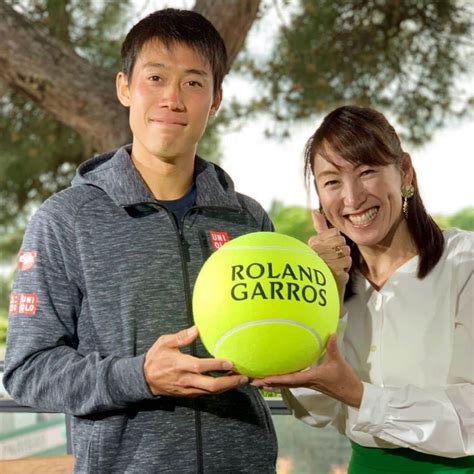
[(171, 26)]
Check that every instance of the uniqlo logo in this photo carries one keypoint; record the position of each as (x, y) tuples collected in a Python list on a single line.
[(218, 238), (23, 303), (26, 260)]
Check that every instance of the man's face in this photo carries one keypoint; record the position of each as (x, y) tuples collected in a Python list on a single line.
[(170, 96)]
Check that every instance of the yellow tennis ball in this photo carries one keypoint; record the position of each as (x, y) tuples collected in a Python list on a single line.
[(266, 302)]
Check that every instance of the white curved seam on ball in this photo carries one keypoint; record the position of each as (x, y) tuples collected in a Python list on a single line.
[(259, 322)]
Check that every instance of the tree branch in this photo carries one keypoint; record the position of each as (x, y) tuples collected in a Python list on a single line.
[(232, 18), (78, 93), (49, 72)]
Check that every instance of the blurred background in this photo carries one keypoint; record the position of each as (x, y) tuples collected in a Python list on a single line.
[(292, 61)]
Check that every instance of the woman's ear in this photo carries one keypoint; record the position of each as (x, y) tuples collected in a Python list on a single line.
[(123, 90), (407, 169)]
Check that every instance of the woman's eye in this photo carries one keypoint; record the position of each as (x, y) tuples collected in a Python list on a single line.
[(330, 183), (155, 78), (367, 172)]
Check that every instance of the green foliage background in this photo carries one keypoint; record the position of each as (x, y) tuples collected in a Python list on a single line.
[(406, 58)]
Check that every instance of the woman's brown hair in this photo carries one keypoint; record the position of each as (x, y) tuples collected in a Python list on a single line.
[(362, 135)]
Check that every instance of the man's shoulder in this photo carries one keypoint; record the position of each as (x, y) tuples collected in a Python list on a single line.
[(256, 210), (67, 203), (249, 203)]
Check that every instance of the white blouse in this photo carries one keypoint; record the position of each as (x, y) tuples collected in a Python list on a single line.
[(412, 345)]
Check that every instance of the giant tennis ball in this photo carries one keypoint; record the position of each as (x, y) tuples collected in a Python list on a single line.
[(266, 302)]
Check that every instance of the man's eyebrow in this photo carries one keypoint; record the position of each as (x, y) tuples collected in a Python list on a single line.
[(199, 72)]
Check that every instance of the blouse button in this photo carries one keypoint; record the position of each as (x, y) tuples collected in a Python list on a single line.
[(378, 302), (373, 348)]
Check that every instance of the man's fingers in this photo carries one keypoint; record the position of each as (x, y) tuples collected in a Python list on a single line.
[(319, 221), (180, 339), (220, 384), (201, 366)]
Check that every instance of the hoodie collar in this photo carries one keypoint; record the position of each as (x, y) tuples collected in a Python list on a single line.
[(116, 175)]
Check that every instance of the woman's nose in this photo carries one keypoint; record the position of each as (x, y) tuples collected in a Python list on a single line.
[(354, 194)]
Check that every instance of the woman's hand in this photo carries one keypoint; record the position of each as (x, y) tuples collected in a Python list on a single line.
[(333, 377), (331, 246)]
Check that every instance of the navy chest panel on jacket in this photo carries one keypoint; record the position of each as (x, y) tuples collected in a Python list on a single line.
[(139, 271)]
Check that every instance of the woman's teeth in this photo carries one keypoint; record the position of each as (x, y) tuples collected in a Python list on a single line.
[(363, 218)]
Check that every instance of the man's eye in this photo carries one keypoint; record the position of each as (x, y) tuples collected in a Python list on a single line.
[(330, 183), (367, 172), (154, 78), (194, 84)]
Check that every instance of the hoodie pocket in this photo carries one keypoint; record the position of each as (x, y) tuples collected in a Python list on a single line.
[(267, 416), (93, 449)]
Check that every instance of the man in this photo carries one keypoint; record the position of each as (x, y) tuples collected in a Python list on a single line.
[(101, 323)]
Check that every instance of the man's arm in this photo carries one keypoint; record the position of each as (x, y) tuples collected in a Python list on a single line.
[(44, 366)]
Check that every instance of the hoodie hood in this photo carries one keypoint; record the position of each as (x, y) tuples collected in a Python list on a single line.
[(115, 174)]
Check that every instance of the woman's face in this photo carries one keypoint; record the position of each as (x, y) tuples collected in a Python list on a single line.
[(364, 202)]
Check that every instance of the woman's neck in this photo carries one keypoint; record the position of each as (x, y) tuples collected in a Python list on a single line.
[(380, 261)]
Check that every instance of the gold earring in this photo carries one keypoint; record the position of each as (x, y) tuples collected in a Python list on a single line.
[(407, 190)]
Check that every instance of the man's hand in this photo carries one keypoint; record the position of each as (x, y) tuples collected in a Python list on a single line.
[(331, 246), (170, 372), (334, 377)]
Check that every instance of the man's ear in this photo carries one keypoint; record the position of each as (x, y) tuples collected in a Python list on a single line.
[(216, 102), (123, 91), (407, 169)]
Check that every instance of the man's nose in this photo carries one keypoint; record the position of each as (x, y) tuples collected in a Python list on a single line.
[(172, 97)]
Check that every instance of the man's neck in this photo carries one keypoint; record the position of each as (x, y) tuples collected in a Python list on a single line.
[(166, 179)]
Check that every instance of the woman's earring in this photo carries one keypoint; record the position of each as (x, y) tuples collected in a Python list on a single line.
[(408, 190)]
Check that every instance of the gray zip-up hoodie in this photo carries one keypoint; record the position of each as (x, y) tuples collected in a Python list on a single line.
[(103, 272)]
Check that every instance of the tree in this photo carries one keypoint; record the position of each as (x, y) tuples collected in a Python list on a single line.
[(58, 102), (291, 220), (58, 58), (463, 219), (406, 57), (47, 67), (296, 220)]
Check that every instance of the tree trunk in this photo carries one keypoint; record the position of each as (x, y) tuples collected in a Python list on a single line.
[(51, 74), (232, 18), (78, 93)]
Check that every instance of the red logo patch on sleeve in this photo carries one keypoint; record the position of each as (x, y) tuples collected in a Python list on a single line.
[(23, 303), (218, 238), (26, 260)]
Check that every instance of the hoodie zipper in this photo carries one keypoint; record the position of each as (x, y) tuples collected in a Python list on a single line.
[(185, 259)]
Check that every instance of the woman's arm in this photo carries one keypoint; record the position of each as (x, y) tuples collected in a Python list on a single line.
[(435, 420)]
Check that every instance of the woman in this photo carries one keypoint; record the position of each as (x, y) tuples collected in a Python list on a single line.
[(400, 373)]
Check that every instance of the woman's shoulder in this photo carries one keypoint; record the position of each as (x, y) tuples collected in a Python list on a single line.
[(459, 243)]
